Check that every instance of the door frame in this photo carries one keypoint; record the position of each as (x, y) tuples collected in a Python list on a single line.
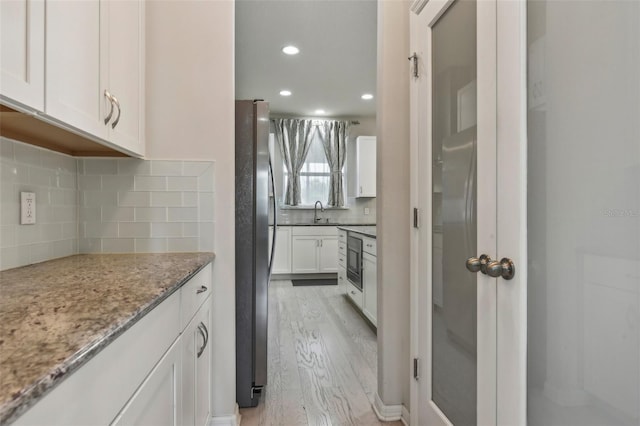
[(502, 163)]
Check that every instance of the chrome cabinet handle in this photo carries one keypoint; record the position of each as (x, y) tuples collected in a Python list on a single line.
[(202, 289), (110, 98), (205, 335), (505, 268), (115, 122)]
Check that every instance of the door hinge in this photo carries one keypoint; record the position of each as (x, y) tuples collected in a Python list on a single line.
[(416, 364), (414, 59), (415, 218)]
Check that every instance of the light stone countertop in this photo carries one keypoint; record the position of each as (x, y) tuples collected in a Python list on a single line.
[(56, 315), (366, 230)]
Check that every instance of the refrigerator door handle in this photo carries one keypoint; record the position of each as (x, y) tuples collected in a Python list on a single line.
[(275, 221)]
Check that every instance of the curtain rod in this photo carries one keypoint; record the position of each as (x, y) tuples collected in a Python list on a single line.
[(352, 122)]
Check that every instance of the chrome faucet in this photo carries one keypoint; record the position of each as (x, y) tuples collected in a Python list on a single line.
[(316, 219)]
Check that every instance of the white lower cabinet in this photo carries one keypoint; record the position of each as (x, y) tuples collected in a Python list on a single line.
[(156, 373), (196, 369), (370, 282), (314, 249), (156, 401)]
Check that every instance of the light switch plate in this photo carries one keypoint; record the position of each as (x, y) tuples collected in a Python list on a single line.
[(366, 210), (27, 208)]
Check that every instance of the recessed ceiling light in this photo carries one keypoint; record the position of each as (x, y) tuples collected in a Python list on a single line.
[(367, 96), (285, 93), (291, 50), (320, 111)]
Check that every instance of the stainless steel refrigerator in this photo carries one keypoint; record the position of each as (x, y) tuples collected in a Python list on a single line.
[(253, 265)]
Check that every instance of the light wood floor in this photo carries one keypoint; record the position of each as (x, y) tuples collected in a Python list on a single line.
[(322, 361)]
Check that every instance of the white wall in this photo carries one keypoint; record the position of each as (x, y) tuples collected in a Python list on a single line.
[(190, 115), (393, 202)]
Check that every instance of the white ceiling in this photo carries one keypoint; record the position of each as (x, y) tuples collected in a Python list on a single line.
[(336, 64)]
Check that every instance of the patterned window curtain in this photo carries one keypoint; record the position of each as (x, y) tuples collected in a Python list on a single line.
[(333, 135), (294, 138)]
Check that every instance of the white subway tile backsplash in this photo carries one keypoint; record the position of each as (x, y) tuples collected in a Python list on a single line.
[(6, 149), (117, 183), (189, 199), (166, 168), (150, 245), (205, 206), (166, 229), (190, 229), (166, 199), (182, 183), (99, 166), (100, 230), (7, 236), (150, 183), (27, 154), (99, 198), (182, 244), (101, 205), (89, 182), (150, 214), (90, 245), (134, 199), (134, 230), (182, 214), (118, 214), (118, 245), (134, 167)]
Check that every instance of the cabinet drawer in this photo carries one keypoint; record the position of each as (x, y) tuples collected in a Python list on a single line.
[(319, 231), (342, 248), (369, 245), (342, 236), (355, 294), (342, 260), (342, 275), (193, 294)]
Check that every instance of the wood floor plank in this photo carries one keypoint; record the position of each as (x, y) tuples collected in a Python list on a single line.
[(322, 361)]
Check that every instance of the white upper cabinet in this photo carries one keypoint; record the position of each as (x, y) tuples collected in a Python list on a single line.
[(76, 76), (94, 69), (365, 166), (126, 72), (22, 52)]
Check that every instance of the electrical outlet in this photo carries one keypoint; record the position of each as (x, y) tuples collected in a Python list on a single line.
[(27, 208), (366, 210)]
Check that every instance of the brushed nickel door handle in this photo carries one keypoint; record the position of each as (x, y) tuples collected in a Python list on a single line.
[(475, 264), (110, 98), (505, 268), (115, 122)]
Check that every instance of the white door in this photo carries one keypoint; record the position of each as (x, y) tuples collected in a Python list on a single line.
[(328, 261), (557, 191), (304, 254)]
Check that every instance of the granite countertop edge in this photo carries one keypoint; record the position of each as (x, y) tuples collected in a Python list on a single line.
[(353, 228), (30, 395)]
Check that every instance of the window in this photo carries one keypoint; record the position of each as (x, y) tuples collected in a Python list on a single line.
[(314, 176)]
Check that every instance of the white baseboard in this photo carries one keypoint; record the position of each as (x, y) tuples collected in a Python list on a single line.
[(406, 416), (232, 420), (386, 413)]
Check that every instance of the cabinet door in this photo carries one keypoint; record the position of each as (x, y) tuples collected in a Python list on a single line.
[(74, 79), (126, 72), (328, 261), (203, 369), (196, 368), (366, 165), (370, 283), (304, 254), (22, 52), (156, 401)]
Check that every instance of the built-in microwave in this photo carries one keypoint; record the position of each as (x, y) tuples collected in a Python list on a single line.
[(354, 260)]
